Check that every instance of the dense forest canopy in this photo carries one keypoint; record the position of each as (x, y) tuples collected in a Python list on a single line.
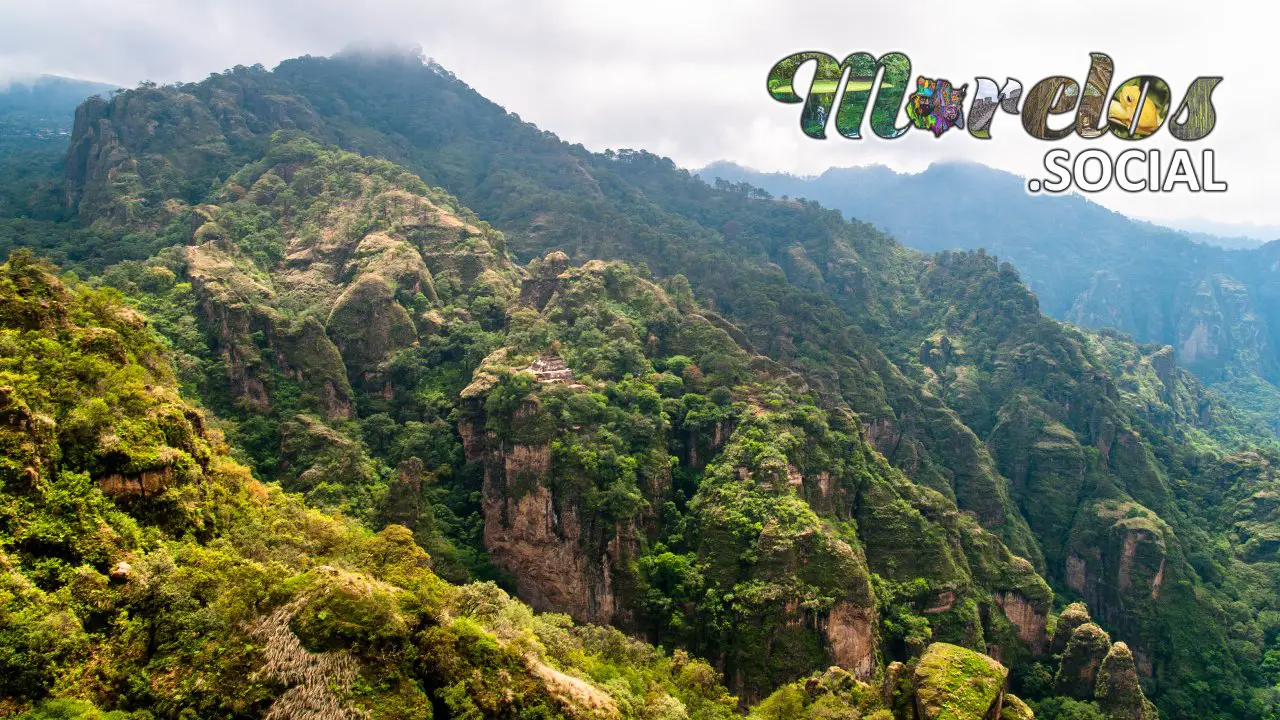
[(1218, 308), (337, 390)]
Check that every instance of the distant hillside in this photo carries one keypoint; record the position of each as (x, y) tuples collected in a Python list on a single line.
[(1218, 308), (36, 115), (1229, 242), (1226, 234), (49, 97)]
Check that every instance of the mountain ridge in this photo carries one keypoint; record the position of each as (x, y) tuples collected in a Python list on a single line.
[(730, 423), (1088, 264)]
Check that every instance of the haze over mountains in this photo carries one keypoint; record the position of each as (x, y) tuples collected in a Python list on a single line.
[(36, 115), (1226, 234), (45, 99), (1218, 308), (348, 346)]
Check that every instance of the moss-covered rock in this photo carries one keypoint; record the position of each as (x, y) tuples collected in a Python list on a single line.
[(367, 325), (1117, 690), (338, 609), (1085, 651), (953, 683), (1015, 709), (1072, 617)]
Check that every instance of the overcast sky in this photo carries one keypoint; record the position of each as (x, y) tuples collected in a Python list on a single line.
[(687, 79)]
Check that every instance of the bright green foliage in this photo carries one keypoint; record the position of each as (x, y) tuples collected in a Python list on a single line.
[(744, 483), (833, 695), (143, 569), (1014, 708), (1064, 708), (773, 437), (1088, 264)]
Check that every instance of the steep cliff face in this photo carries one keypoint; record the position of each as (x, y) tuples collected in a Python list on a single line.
[(311, 614), (254, 340), (1045, 465), (573, 539), (1118, 559), (136, 150), (1164, 394), (1107, 303), (1028, 617), (1220, 325), (786, 509), (851, 633), (558, 564)]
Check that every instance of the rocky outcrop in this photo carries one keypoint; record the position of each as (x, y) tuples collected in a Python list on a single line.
[(953, 683), (232, 307), (896, 684), (1015, 709), (395, 261), (1119, 560), (559, 565), (1117, 691), (1165, 367), (537, 289), (304, 353), (1081, 661), (104, 176), (551, 370), (1072, 617), (252, 338), (947, 682), (368, 325), (141, 484), (702, 443)]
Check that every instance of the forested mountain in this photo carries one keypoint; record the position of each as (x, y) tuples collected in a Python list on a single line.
[(858, 480), (1218, 308)]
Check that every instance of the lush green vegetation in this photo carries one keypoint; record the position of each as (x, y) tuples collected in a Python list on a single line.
[(721, 422), (1087, 264), (145, 571)]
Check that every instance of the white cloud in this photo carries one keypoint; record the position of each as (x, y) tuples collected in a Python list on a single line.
[(686, 78)]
